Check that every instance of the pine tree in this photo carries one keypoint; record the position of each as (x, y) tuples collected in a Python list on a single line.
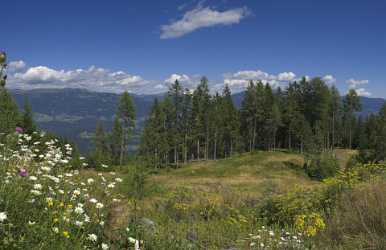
[(200, 117), (186, 117), (380, 142), (9, 114), (351, 104), (116, 140), (230, 121), (102, 153), (216, 123), (27, 118), (335, 113), (248, 117), (126, 114), (177, 97)]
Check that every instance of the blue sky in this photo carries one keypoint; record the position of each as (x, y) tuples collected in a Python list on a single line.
[(143, 45)]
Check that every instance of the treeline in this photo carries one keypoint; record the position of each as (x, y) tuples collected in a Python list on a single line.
[(307, 116), (370, 137)]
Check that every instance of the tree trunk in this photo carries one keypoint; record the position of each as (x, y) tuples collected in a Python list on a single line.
[(333, 131), (122, 146), (175, 156), (215, 148), (186, 149), (231, 152), (198, 149), (254, 134)]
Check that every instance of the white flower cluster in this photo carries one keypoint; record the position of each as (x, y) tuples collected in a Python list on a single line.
[(39, 167), (269, 239)]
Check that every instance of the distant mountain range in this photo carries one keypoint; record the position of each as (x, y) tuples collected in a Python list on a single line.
[(73, 113)]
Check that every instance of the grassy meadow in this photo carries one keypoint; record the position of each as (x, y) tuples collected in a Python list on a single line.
[(259, 200)]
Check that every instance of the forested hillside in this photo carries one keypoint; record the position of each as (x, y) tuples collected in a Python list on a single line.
[(307, 116), (73, 113)]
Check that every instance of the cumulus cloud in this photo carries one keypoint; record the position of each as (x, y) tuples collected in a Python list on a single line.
[(16, 66), (93, 78), (286, 76), (356, 85), (189, 82), (363, 92), (103, 80), (239, 80), (329, 79), (201, 17), (353, 83)]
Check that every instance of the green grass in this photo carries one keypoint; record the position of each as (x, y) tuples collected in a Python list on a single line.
[(215, 202)]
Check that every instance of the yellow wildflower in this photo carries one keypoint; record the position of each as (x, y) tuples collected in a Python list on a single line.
[(66, 234)]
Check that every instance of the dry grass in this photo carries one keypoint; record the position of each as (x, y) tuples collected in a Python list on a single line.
[(359, 221), (344, 155), (249, 175)]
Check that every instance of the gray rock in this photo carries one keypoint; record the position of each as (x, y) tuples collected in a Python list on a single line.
[(148, 225)]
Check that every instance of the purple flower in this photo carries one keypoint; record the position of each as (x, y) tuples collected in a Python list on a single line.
[(19, 130), (23, 172)]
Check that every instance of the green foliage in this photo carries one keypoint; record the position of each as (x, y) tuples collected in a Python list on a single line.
[(322, 166), (126, 115), (27, 121), (134, 182), (9, 114), (284, 209)]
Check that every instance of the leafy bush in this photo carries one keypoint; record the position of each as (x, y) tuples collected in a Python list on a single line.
[(322, 166)]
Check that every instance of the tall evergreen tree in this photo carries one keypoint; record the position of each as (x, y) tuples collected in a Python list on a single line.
[(335, 113), (351, 104), (27, 118), (9, 114), (116, 140), (248, 116), (200, 117), (126, 114)]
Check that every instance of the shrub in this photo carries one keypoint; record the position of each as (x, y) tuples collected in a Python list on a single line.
[(322, 166)]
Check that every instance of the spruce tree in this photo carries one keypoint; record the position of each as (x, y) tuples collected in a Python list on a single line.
[(9, 114), (351, 104), (200, 117), (116, 140), (126, 115), (335, 113), (248, 116), (27, 118)]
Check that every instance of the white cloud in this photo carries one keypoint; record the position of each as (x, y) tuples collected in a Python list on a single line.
[(93, 78), (181, 78), (186, 81), (329, 79), (239, 80), (362, 92), (353, 83), (201, 17), (16, 66), (286, 76)]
